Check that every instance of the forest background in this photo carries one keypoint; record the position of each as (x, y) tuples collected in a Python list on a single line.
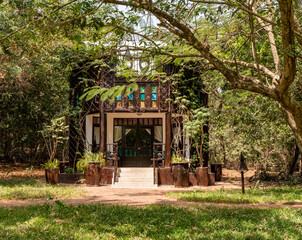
[(42, 42)]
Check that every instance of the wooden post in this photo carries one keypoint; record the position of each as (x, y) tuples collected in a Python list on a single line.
[(242, 182), (102, 129), (168, 140)]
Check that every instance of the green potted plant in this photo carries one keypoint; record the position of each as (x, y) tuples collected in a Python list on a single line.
[(54, 135), (52, 171), (194, 127), (91, 164), (180, 170)]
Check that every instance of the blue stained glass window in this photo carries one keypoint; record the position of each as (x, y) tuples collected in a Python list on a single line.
[(154, 96), (119, 98), (131, 96), (142, 96)]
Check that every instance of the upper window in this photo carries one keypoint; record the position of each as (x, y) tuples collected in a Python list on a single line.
[(146, 95), (154, 96), (119, 102), (142, 96), (130, 102)]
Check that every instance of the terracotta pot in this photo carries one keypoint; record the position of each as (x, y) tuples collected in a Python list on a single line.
[(63, 165), (107, 175), (192, 179), (52, 175), (217, 169), (211, 179), (202, 176), (92, 173), (180, 173), (165, 176), (72, 178)]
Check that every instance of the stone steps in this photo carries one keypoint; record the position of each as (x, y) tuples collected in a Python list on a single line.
[(135, 178)]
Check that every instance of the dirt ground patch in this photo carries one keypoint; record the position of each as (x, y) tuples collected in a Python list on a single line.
[(133, 196), (143, 197), (20, 171)]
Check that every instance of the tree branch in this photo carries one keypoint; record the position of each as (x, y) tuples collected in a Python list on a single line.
[(254, 50), (253, 66), (271, 38), (78, 17), (37, 20), (183, 31), (288, 42), (238, 7)]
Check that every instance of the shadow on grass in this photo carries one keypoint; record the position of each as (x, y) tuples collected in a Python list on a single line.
[(19, 182), (30, 188), (259, 195), (153, 222)]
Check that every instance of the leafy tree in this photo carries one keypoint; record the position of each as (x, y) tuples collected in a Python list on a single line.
[(54, 135), (254, 45), (273, 79), (194, 128)]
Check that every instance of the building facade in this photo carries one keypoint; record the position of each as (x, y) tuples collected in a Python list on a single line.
[(141, 125)]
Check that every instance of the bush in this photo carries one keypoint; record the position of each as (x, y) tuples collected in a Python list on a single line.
[(51, 164), (69, 170), (90, 157)]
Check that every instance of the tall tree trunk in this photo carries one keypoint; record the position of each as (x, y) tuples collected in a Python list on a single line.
[(292, 164), (221, 140), (292, 111), (300, 165)]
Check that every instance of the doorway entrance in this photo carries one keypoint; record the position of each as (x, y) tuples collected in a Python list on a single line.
[(135, 138)]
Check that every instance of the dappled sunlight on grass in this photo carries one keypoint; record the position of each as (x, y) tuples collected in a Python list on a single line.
[(258, 195), (31, 188), (62, 221)]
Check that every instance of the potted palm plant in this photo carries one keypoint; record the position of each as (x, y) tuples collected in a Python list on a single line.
[(52, 171), (91, 164)]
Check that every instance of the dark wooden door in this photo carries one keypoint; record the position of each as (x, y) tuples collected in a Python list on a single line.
[(135, 138), (130, 147), (137, 146), (145, 142)]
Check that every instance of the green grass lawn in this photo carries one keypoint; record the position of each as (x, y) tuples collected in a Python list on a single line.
[(62, 221), (258, 195), (30, 188)]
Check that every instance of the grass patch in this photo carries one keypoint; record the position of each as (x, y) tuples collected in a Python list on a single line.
[(258, 195), (30, 188), (62, 221)]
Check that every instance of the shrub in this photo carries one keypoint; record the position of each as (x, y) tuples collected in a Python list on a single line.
[(90, 157)]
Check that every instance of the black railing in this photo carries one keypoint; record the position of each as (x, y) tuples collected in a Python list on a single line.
[(112, 155), (94, 148), (158, 158)]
